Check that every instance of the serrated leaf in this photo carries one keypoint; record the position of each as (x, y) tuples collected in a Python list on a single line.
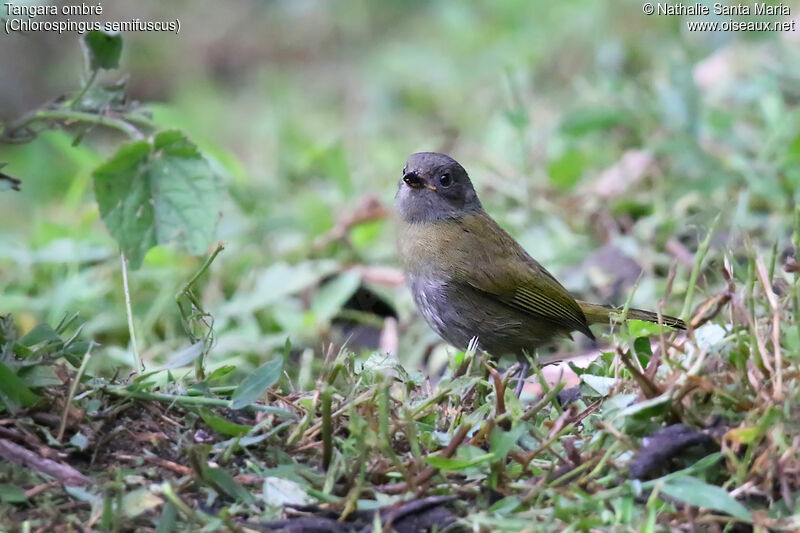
[(158, 192), (254, 385), (103, 50), (701, 494)]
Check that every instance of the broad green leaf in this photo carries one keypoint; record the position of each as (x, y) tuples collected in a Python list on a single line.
[(600, 384), (158, 192), (505, 506), (220, 372), (566, 170), (278, 492), (181, 358), (643, 349), (184, 356), (254, 385), (42, 333), (275, 283), (450, 464), (793, 151), (12, 494), (501, 442), (640, 328), (648, 408), (518, 118), (103, 49), (169, 515), (139, 501), (700, 494), (744, 435), (222, 425), (223, 481), (39, 376), (585, 121), (13, 392), (330, 298)]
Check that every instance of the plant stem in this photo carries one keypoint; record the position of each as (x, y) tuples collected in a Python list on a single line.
[(79, 97), (169, 493), (186, 290), (202, 270), (702, 250), (137, 360), (68, 115), (72, 390)]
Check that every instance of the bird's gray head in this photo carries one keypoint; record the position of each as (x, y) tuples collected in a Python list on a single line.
[(434, 187)]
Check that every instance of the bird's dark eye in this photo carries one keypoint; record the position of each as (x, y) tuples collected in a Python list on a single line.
[(445, 180)]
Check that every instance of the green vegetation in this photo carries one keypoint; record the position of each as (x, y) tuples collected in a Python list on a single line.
[(187, 385)]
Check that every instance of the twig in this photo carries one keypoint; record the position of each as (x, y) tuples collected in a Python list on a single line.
[(158, 461), (65, 474), (429, 471), (649, 388), (38, 489), (198, 517)]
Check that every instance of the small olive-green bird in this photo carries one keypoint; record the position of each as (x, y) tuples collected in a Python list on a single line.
[(469, 278)]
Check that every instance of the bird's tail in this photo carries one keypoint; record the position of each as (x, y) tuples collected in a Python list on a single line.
[(601, 314)]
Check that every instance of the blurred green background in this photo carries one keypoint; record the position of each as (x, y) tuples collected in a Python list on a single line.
[(605, 140)]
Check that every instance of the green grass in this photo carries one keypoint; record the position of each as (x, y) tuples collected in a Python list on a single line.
[(167, 450), (608, 143)]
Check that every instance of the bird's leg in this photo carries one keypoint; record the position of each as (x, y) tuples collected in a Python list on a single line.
[(524, 368)]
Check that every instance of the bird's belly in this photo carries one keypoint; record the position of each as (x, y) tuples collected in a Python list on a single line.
[(458, 313)]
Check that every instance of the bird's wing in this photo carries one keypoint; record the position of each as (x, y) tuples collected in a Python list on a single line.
[(505, 271)]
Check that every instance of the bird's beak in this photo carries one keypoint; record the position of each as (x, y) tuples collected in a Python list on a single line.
[(413, 180)]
